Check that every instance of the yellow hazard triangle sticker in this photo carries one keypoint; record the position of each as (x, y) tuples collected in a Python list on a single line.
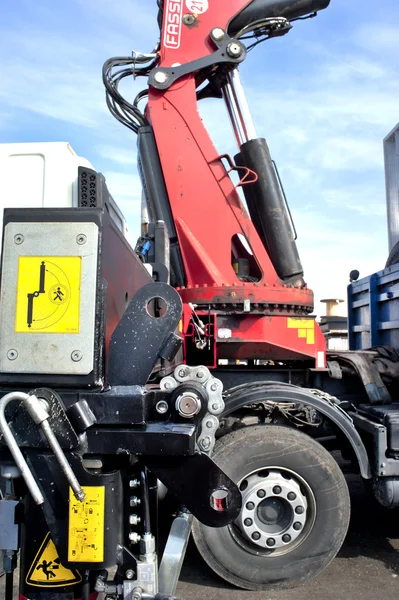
[(47, 570)]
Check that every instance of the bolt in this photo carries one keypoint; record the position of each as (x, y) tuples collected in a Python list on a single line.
[(291, 496), (188, 405), (217, 34), (261, 493), (250, 505), (160, 77), (129, 574), (299, 510), (134, 519), (248, 522), (270, 542), (286, 538), (19, 239), (134, 483), (205, 443), (81, 239), (256, 535), (297, 525), (214, 387), (234, 50), (188, 19), (137, 594), (12, 354), (277, 489), (76, 355), (134, 537), (162, 407), (134, 501)]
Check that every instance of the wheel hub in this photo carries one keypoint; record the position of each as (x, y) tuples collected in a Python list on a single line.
[(275, 510)]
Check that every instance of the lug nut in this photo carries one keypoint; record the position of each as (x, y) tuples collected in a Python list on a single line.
[(248, 522), (291, 496), (277, 489), (299, 510), (261, 493), (270, 542), (286, 538), (250, 505), (256, 535), (297, 525)]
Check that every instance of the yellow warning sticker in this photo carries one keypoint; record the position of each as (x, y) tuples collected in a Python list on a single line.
[(47, 570), (86, 526), (305, 328), (48, 294)]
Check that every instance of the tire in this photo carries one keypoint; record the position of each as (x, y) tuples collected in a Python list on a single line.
[(303, 466)]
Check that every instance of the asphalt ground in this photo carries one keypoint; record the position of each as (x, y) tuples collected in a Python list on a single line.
[(367, 567)]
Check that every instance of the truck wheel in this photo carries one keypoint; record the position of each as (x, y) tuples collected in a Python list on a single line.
[(295, 514)]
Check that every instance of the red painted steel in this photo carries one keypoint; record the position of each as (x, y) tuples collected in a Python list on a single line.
[(205, 205)]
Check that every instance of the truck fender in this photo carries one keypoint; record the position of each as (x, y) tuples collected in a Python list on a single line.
[(252, 393)]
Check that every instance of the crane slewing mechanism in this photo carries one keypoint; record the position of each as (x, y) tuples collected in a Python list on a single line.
[(192, 363)]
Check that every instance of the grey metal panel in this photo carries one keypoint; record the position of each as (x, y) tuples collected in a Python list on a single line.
[(48, 353), (391, 157)]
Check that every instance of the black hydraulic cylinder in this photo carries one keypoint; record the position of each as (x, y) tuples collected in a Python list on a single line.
[(268, 210)]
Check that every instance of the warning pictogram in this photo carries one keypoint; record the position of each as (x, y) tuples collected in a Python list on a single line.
[(48, 294), (47, 570)]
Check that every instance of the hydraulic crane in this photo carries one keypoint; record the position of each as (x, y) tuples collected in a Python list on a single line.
[(120, 369)]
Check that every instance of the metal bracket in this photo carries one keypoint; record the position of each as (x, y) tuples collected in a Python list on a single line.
[(161, 78)]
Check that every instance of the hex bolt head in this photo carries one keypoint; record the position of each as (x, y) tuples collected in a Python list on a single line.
[(217, 34), (234, 50), (160, 76), (261, 493), (19, 239), (76, 355), (248, 522), (205, 443), (277, 489), (12, 354), (256, 535), (291, 496), (250, 505), (286, 538), (81, 239), (297, 525), (299, 510), (270, 542), (162, 407), (129, 574)]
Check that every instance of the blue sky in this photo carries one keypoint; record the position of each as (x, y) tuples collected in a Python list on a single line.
[(324, 96)]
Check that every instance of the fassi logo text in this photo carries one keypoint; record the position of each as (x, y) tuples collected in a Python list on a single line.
[(173, 23)]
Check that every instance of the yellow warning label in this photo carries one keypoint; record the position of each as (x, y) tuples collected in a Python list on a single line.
[(48, 294), (86, 526), (47, 570), (305, 328)]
